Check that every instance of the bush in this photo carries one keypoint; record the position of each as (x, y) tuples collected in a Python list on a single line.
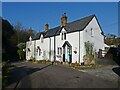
[(32, 59), (75, 64), (5, 73), (90, 57)]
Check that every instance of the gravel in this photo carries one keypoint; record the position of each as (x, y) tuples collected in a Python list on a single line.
[(104, 72)]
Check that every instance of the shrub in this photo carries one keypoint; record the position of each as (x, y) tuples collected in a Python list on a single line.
[(5, 73), (90, 57)]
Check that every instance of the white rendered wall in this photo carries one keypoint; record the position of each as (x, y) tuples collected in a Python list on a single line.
[(30, 54), (52, 48), (73, 39), (97, 39), (44, 46)]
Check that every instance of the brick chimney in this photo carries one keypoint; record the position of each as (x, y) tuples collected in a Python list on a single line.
[(63, 20), (46, 27)]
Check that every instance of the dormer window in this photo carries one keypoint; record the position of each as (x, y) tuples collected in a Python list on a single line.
[(63, 36)]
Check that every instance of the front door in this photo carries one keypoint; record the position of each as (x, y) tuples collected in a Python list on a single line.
[(67, 53)]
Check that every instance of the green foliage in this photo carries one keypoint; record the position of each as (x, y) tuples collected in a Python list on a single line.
[(21, 53), (89, 48), (90, 57), (12, 36), (76, 64), (8, 46), (112, 41), (21, 46), (5, 73), (32, 59)]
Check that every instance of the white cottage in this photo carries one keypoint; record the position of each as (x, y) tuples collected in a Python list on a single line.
[(67, 41)]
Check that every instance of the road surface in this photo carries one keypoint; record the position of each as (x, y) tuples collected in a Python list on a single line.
[(32, 75)]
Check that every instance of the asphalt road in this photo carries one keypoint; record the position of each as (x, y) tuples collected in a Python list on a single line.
[(32, 75)]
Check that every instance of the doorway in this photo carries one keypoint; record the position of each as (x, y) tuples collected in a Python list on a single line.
[(67, 52)]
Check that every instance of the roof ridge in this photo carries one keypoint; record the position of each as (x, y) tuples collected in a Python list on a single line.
[(82, 18)]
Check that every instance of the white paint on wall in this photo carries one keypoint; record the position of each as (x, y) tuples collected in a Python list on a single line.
[(73, 38)]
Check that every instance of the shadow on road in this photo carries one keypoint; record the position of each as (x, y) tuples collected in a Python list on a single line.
[(117, 70), (17, 73)]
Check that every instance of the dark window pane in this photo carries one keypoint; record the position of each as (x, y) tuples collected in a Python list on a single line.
[(58, 50), (64, 36)]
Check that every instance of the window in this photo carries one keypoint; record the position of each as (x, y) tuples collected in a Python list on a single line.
[(59, 50), (41, 38), (28, 51), (38, 50), (91, 32), (63, 36)]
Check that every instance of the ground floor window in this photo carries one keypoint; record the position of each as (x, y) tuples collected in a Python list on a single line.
[(38, 50), (59, 50)]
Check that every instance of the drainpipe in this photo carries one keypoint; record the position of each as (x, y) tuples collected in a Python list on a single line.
[(54, 49), (34, 47), (79, 46), (50, 49)]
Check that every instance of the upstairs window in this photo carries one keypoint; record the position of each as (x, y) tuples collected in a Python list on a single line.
[(63, 36), (91, 32), (41, 38)]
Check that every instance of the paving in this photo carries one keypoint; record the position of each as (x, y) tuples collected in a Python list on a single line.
[(33, 75)]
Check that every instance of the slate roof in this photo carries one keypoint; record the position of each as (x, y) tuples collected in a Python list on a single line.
[(74, 26), (37, 36), (77, 25), (52, 32)]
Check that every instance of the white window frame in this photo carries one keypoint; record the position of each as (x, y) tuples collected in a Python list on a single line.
[(42, 38), (59, 51), (63, 35), (91, 32)]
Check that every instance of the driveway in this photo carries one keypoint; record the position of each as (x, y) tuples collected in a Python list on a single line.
[(32, 75)]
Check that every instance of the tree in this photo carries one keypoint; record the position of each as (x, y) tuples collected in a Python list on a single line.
[(9, 48), (20, 51), (112, 39), (111, 36), (12, 36), (22, 33)]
